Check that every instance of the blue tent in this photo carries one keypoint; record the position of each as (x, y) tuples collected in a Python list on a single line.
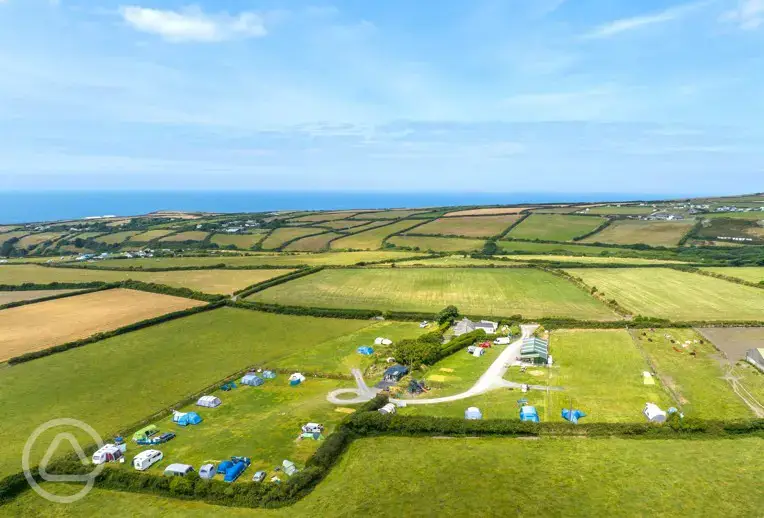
[(573, 416), (253, 380), (189, 418), (295, 382), (529, 413), (269, 375), (365, 350)]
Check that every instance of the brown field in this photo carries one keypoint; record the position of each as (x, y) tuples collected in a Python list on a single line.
[(7, 228), (193, 235), (483, 226), (38, 326), (343, 224), (653, 233), (10, 235), (150, 235), (313, 243), (6, 297), (35, 239), (734, 342), (486, 212)]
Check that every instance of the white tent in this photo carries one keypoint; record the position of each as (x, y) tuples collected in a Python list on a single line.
[(382, 341), (208, 401), (473, 413), (297, 377), (479, 351), (387, 409), (177, 415), (653, 413)]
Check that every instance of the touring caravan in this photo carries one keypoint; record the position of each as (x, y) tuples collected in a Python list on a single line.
[(145, 459), (108, 453)]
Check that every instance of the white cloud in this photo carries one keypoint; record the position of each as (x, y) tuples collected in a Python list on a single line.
[(192, 24), (628, 24), (749, 14)]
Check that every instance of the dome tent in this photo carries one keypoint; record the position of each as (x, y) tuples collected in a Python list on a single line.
[(529, 413), (365, 350), (208, 401), (473, 414), (189, 418), (269, 375), (252, 379)]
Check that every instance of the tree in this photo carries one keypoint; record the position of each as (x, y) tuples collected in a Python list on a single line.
[(421, 351), (449, 313), (79, 242), (490, 247)]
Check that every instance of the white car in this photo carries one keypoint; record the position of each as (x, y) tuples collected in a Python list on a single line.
[(145, 459), (423, 324)]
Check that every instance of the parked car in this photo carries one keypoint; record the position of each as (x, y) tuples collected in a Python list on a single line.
[(207, 471), (167, 436), (424, 324), (259, 476)]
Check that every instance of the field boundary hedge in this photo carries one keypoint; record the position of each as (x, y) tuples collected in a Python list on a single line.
[(163, 289), (367, 422), (109, 334), (53, 297), (32, 286), (723, 277), (600, 228), (590, 290), (218, 266), (246, 292)]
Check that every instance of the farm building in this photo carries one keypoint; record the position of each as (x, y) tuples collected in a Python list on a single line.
[(473, 414), (208, 401), (252, 379), (756, 357), (395, 373), (466, 325), (534, 350)]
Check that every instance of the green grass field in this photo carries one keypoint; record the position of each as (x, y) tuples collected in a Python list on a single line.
[(602, 372), (497, 404), (10, 235), (113, 383), (371, 239), (612, 210), (257, 422), (752, 274), (312, 243), (555, 227), (500, 292), (338, 355), (208, 281), (751, 378), (324, 216), (545, 477), (342, 224), (243, 241), (567, 249), (281, 235), (389, 214), (33, 240), (653, 233), (508, 260), (482, 226), (191, 235), (437, 244), (697, 380), (666, 293)]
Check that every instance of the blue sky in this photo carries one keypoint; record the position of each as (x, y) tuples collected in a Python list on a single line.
[(480, 95)]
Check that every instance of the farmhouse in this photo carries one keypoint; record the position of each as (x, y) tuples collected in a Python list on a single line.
[(466, 326), (395, 373), (756, 357), (534, 350)]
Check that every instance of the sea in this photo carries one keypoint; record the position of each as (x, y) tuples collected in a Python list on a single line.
[(26, 206)]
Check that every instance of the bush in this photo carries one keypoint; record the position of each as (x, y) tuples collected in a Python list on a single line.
[(448, 314)]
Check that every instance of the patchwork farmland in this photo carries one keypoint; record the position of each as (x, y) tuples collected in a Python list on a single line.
[(436, 317)]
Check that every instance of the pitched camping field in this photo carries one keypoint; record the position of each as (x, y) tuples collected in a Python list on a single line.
[(208, 281), (37, 326), (590, 477), (667, 293), (500, 292), (114, 383)]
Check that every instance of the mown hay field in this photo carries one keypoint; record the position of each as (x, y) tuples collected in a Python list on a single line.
[(482, 226), (208, 281), (150, 235), (555, 227), (312, 243), (342, 224), (653, 233), (510, 260), (750, 274), (6, 297), (437, 244), (697, 380), (114, 383), (11, 235), (238, 240), (281, 235), (117, 237), (37, 326), (499, 292), (487, 212), (371, 239), (590, 477), (676, 295), (566, 248)]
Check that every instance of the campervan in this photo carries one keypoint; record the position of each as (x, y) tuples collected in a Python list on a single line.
[(145, 459), (108, 453)]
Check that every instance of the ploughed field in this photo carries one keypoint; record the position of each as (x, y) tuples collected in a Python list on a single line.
[(500, 292)]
